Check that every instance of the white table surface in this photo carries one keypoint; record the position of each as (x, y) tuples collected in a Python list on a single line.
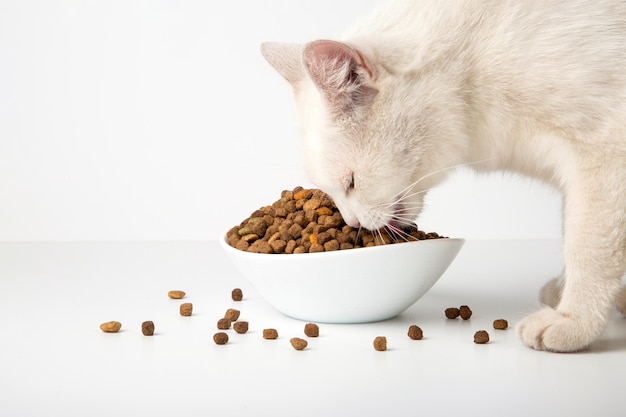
[(55, 361)]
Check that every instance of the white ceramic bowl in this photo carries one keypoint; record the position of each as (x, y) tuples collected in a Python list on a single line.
[(347, 286)]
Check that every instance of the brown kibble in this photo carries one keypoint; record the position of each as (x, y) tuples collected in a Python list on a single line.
[(316, 248), (465, 312), (312, 204), (452, 312), (306, 221), (186, 309), (237, 294), (147, 328), (324, 211), (176, 294), (331, 245), (250, 238), (274, 237), (242, 245), (241, 327), (220, 338), (278, 246), (303, 194), (415, 332), (500, 324), (380, 343), (280, 212), (270, 334), (294, 231), (311, 330), (111, 326), (291, 245), (223, 324), (297, 343), (232, 314), (481, 337)]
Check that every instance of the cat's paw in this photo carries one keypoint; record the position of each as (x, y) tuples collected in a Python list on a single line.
[(550, 294), (550, 330), (621, 301)]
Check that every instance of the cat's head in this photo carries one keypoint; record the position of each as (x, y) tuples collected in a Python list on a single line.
[(359, 131)]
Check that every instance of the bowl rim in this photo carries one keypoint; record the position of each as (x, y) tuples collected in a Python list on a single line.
[(224, 243)]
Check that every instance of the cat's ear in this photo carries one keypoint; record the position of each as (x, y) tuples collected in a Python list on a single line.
[(341, 72), (286, 58)]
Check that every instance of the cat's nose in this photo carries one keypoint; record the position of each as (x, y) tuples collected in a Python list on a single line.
[(354, 222), (349, 217)]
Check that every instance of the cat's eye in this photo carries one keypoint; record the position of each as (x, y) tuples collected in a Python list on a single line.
[(350, 185)]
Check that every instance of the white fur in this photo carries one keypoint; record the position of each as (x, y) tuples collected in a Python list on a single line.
[(529, 86)]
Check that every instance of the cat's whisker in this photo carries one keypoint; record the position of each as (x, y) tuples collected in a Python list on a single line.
[(404, 193), (403, 201)]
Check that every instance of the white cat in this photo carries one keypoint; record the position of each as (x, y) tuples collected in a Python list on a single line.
[(536, 87)]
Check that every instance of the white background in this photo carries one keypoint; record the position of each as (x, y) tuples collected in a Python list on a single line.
[(160, 120)]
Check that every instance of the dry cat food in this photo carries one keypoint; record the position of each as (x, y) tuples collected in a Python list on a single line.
[(380, 343), (241, 327), (452, 312), (415, 332), (186, 309), (223, 324), (297, 343), (111, 326), (481, 337), (465, 312), (270, 334), (236, 294), (220, 338), (307, 221), (500, 324), (176, 294), (147, 328), (232, 314), (311, 330)]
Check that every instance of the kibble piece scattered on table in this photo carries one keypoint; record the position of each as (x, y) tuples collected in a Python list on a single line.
[(223, 324), (415, 332), (500, 324), (232, 314), (465, 312), (452, 312), (220, 338), (237, 294), (311, 330), (270, 334), (481, 337), (147, 328), (111, 326), (241, 327), (297, 343), (380, 343), (176, 294), (186, 309)]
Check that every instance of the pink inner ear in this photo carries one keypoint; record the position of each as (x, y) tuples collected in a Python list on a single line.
[(333, 65)]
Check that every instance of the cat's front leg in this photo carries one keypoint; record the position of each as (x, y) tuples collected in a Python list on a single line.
[(550, 294), (595, 259)]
